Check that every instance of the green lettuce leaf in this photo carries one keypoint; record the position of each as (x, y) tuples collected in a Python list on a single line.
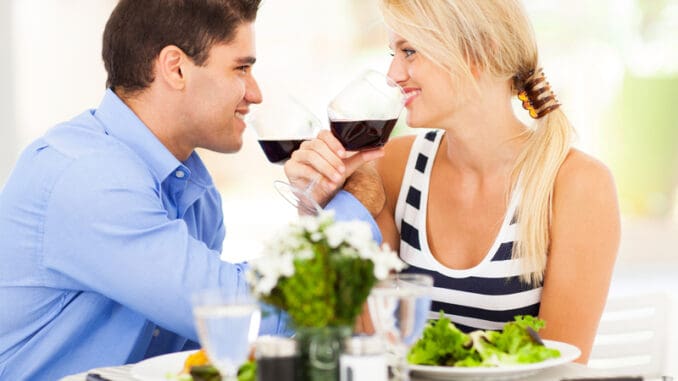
[(444, 345)]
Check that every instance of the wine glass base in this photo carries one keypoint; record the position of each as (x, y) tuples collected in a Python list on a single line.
[(298, 198)]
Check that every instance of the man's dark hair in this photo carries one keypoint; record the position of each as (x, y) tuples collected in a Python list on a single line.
[(138, 30)]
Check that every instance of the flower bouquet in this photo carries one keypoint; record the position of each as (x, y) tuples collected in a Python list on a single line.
[(320, 272)]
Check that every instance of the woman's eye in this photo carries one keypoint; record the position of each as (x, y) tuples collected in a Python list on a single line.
[(409, 52)]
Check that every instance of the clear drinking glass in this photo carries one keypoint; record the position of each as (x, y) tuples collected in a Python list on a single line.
[(282, 123), (399, 308), (364, 113), (227, 325)]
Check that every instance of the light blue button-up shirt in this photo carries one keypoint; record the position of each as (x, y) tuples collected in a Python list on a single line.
[(104, 235)]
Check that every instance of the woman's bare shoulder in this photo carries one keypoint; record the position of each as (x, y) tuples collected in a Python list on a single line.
[(396, 152), (585, 191), (582, 173), (400, 146)]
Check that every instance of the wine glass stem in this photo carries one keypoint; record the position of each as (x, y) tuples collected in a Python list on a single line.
[(309, 187), (400, 370), (311, 209)]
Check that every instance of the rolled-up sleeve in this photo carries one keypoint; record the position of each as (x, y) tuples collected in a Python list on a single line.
[(347, 208)]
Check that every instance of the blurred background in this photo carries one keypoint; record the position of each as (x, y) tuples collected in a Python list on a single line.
[(612, 63)]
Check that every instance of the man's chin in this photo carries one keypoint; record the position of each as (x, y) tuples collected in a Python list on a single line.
[(232, 147)]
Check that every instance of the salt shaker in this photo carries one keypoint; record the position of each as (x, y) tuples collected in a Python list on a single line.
[(277, 358), (363, 359)]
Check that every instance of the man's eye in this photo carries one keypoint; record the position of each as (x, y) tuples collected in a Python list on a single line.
[(244, 68)]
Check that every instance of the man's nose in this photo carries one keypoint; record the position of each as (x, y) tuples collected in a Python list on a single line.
[(252, 92)]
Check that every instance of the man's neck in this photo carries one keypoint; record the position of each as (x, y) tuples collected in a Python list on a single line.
[(157, 114)]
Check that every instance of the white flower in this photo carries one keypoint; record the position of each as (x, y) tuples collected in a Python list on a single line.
[(384, 263), (298, 240), (309, 223), (316, 237), (337, 233)]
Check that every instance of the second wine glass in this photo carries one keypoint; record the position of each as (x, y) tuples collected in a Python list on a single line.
[(281, 124), (363, 114)]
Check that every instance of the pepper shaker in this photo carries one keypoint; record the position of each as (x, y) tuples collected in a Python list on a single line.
[(277, 358)]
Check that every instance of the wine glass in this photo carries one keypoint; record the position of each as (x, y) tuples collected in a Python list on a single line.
[(361, 116), (281, 124), (227, 324), (364, 113), (399, 307)]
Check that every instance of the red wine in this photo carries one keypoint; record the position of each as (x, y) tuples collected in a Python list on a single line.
[(278, 151), (362, 134)]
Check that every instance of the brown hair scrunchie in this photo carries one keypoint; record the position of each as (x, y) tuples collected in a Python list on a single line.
[(535, 93)]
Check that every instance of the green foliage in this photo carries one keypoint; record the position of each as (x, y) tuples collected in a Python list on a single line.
[(353, 281), (247, 371), (205, 373), (327, 289), (320, 271)]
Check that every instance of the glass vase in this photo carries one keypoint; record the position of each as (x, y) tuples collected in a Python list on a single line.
[(320, 348)]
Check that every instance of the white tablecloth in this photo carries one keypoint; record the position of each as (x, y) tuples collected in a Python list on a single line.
[(122, 373)]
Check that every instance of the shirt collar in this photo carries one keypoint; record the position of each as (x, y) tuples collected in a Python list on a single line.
[(120, 122)]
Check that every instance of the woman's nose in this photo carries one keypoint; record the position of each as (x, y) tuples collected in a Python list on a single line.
[(397, 72)]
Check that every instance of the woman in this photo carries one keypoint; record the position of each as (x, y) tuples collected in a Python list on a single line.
[(508, 218)]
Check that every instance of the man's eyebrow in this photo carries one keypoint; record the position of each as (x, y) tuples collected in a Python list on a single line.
[(246, 60)]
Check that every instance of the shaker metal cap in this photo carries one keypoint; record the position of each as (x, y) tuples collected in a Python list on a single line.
[(364, 345), (275, 346)]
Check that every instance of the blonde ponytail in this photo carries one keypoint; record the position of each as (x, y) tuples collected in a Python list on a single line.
[(536, 170)]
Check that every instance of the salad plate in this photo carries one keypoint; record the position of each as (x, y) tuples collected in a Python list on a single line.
[(160, 368), (568, 353)]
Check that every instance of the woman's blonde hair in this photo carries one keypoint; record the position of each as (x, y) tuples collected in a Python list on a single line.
[(495, 35)]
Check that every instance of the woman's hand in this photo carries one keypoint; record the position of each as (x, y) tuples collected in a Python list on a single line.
[(326, 160)]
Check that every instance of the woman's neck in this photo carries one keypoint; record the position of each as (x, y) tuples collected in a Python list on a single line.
[(484, 141)]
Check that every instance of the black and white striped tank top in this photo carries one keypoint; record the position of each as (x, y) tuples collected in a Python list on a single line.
[(482, 297)]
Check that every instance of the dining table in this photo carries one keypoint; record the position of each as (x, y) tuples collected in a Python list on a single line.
[(569, 371)]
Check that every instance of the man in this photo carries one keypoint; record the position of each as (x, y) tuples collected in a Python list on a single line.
[(110, 221)]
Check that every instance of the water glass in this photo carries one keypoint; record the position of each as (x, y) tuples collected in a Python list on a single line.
[(399, 308), (227, 325)]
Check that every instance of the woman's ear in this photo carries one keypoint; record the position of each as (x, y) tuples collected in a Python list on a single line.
[(168, 67), (476, 70)]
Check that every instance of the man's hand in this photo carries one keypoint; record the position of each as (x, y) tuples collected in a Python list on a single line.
[(365, 184)]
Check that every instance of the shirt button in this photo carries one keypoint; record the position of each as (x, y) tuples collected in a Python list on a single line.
[(156, 332), (179, 174)]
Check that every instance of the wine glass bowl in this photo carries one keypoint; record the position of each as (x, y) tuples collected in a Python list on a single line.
[(227, 325), (399, 308), (363, 114), (281, 124)]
